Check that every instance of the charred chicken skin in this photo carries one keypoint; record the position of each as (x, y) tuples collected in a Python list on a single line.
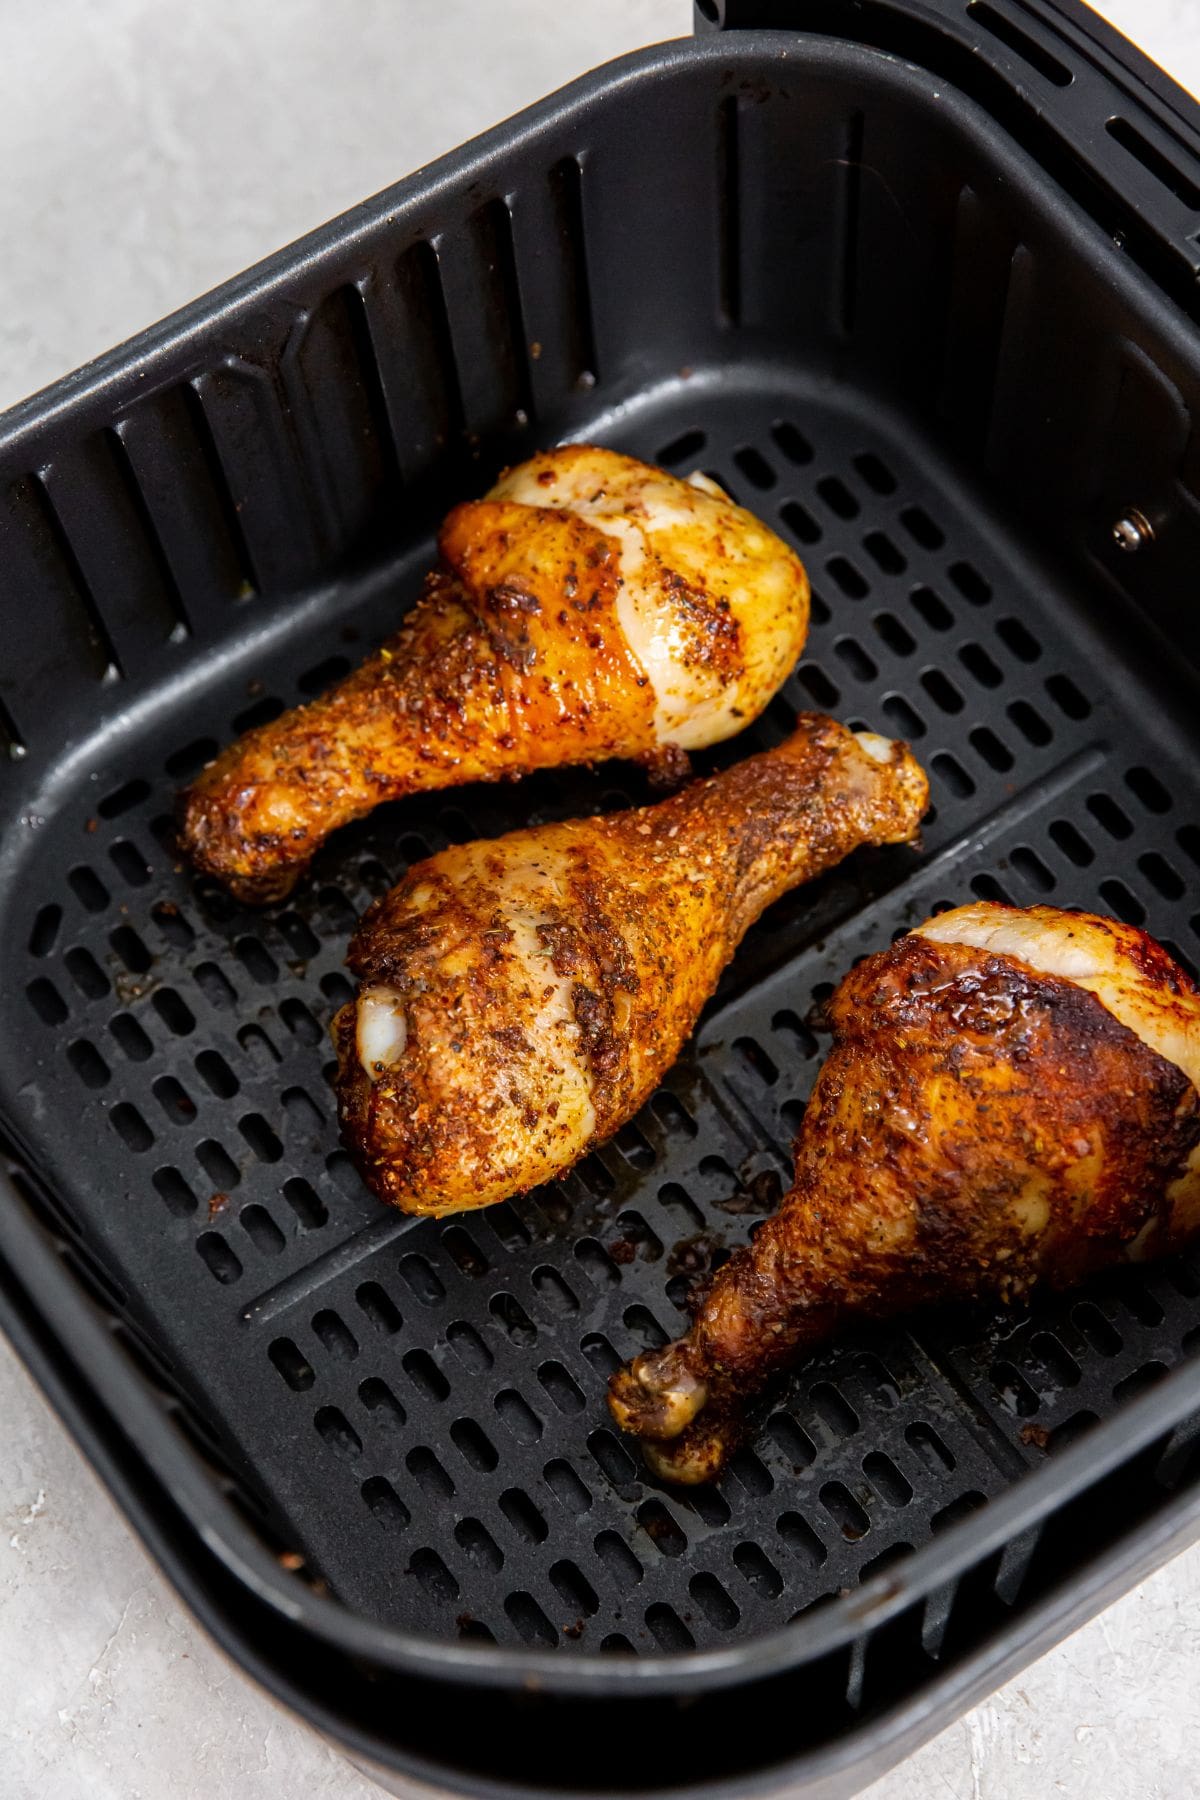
[(521, 998), (1011, 1099), (591, 606)]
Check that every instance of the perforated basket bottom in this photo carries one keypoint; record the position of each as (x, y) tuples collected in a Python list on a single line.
[(418, 1408)]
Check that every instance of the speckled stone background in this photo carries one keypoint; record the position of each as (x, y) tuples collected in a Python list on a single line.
[(150, 148)]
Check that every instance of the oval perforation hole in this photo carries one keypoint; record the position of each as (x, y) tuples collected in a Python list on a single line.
[(1033, 871), (88, 1063), (942, 691), (130, 1127), (304, 1201), (754, 466), (849, 579), (178, 1197), (993, 751), (425, 1375), (884, 553), (428, 1472), (420, 1279), (174, 1099), (217, 1164), (468, 1346), (1013, 1391), (621, 1565), (260, 1137), (685, 448), (833, 1409), (801, 1540), (931, 608), (979, 663), (986, 887), (519, 1417), (795, 1445), (433, 1575), (513, 1320), (903, 718), (123, 799), (1162, 877), (529, 1619), (1109, 815), (174, 1012), (1030, 723), (1148, 789), (718, 1607), (88, 888), (382, 1403), (931, 1449), (847, 1514), (1018, 638), (464, 1252), (215, 985), (887, 1479), (130, 1037), (817, 685), (1072, 843), (922, 529), (384, 1503), (474, 1445), (335, 1335), (44, 934), (562, 1388), (668, 1629), (1100, 1332), (218, 1258), (1067, 697), (262, 1230), (663, 1530), (958, 1509), (566, 1487), (800, 523), (970, 583), (523, 1516), (1124, 904), (897, 637), (875, 472), (758, 1571), (574, 1589), (792, 442), (46, 1001), (851, 653), (553, 1291), (837, 497), (480, 1546), (86, 973), (129, 862), (613, 1461), (292, 1364)]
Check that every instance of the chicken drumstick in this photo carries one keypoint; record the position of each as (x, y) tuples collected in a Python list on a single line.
[(521, 998), (591, 606), (1011, 1099)]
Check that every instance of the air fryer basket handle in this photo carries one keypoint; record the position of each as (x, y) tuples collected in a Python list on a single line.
[(1130, 130)]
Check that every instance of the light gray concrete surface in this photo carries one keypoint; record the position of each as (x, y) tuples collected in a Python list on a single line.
[(151, 148)]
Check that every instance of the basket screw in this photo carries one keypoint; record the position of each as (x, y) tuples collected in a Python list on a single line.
[(1133, 532)]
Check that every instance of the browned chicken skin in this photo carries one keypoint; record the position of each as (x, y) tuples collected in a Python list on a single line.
[(591, 606), (520, 999), (1011, 1099)]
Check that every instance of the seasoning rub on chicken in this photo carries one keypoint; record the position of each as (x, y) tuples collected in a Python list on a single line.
[(591, 606), (1011, 1099), (521, 998)]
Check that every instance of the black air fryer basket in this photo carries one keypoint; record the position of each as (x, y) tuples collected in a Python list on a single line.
[(918, 281)]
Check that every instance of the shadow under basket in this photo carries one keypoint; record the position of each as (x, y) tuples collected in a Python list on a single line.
[(905, 311)]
